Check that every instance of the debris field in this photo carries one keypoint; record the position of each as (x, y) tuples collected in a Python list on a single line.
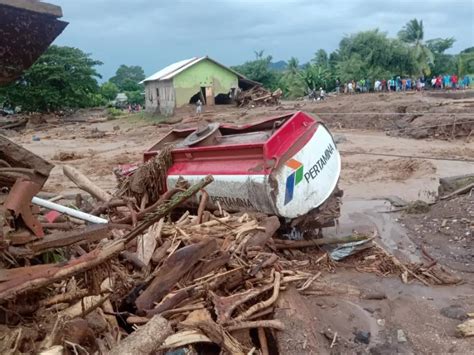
[(155, 276)]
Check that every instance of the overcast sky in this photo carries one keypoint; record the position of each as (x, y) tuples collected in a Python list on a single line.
[(155, 33)]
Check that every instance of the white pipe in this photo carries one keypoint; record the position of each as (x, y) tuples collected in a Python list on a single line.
[(69, 211)]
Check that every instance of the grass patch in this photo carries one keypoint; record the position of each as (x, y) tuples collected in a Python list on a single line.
[(114, 113)]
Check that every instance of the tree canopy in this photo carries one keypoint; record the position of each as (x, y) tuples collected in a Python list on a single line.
[(413, 33), (127, 78), (368, 55), (109, 90), (63, 77), (259, 70)]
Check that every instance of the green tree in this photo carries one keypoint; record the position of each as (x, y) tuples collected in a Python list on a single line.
[(293, 66), (63, 77), (259, 70), (440, 45), (292, 82), (442, 62), (136, 97), (321, 58), (401, 61), (316, 76), (413, 33), (465, 63), (109, 90), (372, 55), (351, 68), (127, 78)]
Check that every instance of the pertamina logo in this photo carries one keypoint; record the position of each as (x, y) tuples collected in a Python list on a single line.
[(294, 179)]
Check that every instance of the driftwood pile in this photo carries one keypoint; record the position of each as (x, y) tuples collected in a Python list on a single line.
[(157, 277), (258, 96)]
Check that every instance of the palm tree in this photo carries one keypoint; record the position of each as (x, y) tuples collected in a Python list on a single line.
[(293, 66), (321, 58), (413, 34), (291, 80)]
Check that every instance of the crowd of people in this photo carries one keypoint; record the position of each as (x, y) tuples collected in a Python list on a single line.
[(403, 84)]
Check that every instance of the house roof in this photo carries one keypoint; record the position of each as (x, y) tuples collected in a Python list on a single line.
[(174, 69)]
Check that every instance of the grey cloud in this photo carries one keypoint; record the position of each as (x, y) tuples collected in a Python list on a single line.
[(155, 33)]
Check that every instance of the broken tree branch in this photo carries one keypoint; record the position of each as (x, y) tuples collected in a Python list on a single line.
[(145, 339), (224, 306), (48, 275), (264, 304), (167, 207), (275, 324), (85, 184), (262, 338)]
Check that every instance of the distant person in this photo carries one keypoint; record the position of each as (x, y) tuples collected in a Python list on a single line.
[(384, 85), (198, 107), (377, 85), (393, 85), (418, 84), (404, 84), (454, 81), (350, 87), (466, 81), (439, 82), (338, 86), (322, 94), (408, 84), (398, 84), (433, 82), (447, 81)]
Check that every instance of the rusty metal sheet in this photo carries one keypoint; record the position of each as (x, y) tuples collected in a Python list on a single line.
[(19, 202), (24, 36)]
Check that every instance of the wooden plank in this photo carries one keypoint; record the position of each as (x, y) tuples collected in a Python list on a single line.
[(35, 6)]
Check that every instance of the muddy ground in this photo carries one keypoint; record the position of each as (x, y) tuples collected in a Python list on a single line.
[(412, 318)]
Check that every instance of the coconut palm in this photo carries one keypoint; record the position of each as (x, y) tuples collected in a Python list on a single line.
[(291, 81), (413, 34), (293, 66)]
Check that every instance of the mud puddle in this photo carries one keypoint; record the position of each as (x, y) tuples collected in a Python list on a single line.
[(411, 318), (367, 216)]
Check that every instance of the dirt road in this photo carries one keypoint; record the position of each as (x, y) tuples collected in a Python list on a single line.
[(410, 319)]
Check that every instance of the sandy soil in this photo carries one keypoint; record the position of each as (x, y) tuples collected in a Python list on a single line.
[(410, 172)]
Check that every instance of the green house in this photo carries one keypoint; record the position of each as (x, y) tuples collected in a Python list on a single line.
[(187, 81)]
